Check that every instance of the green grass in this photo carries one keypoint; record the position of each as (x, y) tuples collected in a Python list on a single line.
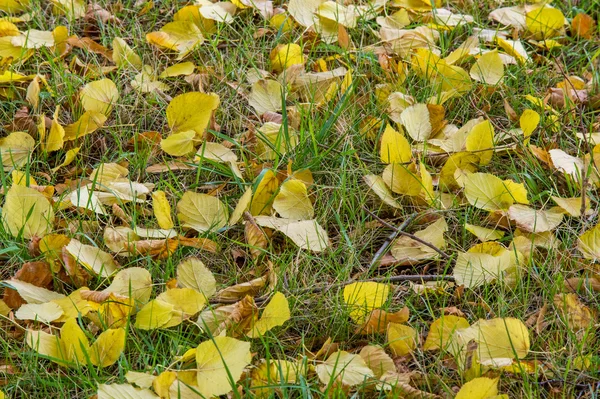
[(332, 147)]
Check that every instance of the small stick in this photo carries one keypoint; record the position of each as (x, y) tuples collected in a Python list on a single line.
[(384, 247), (412, 236)]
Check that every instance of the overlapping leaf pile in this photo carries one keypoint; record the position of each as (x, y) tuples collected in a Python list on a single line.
[(96, 224)]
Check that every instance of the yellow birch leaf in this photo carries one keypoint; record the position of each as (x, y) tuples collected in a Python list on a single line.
[(378, 186), (589, 243), (488, 68), (215, 152), (483, 263), (45, 344), (122, 391), (220, 363), (441, 331), (275, 314), (377, 360), (572, 206), (28, 212), (486, 191), (342, 366), (107, 348), (402, 339), (481, 137), (405, 249), (99, 96), (180, 36), (124, 56), (88, 123), (484, 234), (184, 300), (241, 207), (74, 343), (363, 297), (395, 148), (264, 194), (42, 312), (533, 220), (416, 122), (133, 282), (479, 388), (32, 293), (56, 136), (192, 273), (69, 157), (179, 144), (292, 202), (201, 212), (191, 111), (528, 122), (162, 210), (183, 68), (285, 55), (92, 258), (266, 95), (403, 179), (545, 22), (153, 315), (306, 234)]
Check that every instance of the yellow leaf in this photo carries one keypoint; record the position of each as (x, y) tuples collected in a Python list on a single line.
[(201, 212), (273, 141), (484, 234), (378, 186), (486, 191), (27, 212), (395, 148), (266, 185), (416, 122), (45, 344), (99, 96), (401, 338), (275, 314), (183, 68), (179, 144), (499, 341), (69, 157), (292, 201), (285, 55), (215, 152), (576, 315), (32, 293), (121, 391), (88, 123), (528, 122), (342, 366), (191, 111), (186, 301), (266, 95), (461, 160), (282, 22), (545, 22), (15, 149), (74, 305), (220, 363), (306, 234), (405, 249), (107, 348), (154, 314), (162, 210), (451, 77), (532, 220), (14, 6), (192, 13), (481, 137), (192, 273), (133, 282), (4, 309), (403, 179), (479, 388), (270, 373), (56, 137), (33, 90), (180, 36), (74, 343), (483, 263), (162, 383), (363, 297), (488, 68), (42, 312), (92, 258), (441, 331), (589, 243), (124, 56), (572, 206)]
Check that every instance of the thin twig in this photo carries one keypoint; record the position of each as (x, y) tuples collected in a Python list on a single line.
[(412, 236), (384, 247)]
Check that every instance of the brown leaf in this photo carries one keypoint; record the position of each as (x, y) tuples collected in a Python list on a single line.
[(168, 166), (158, 249), (452, 310), (120, 213), (204, 244), (510, 112), (146, 140), (238, 291), (325, 350), (379, 319), (577, 315), (73, 271), (255, 236), (343, 37), (583, 26), (88, 44), (36, 273), (577, 283)]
